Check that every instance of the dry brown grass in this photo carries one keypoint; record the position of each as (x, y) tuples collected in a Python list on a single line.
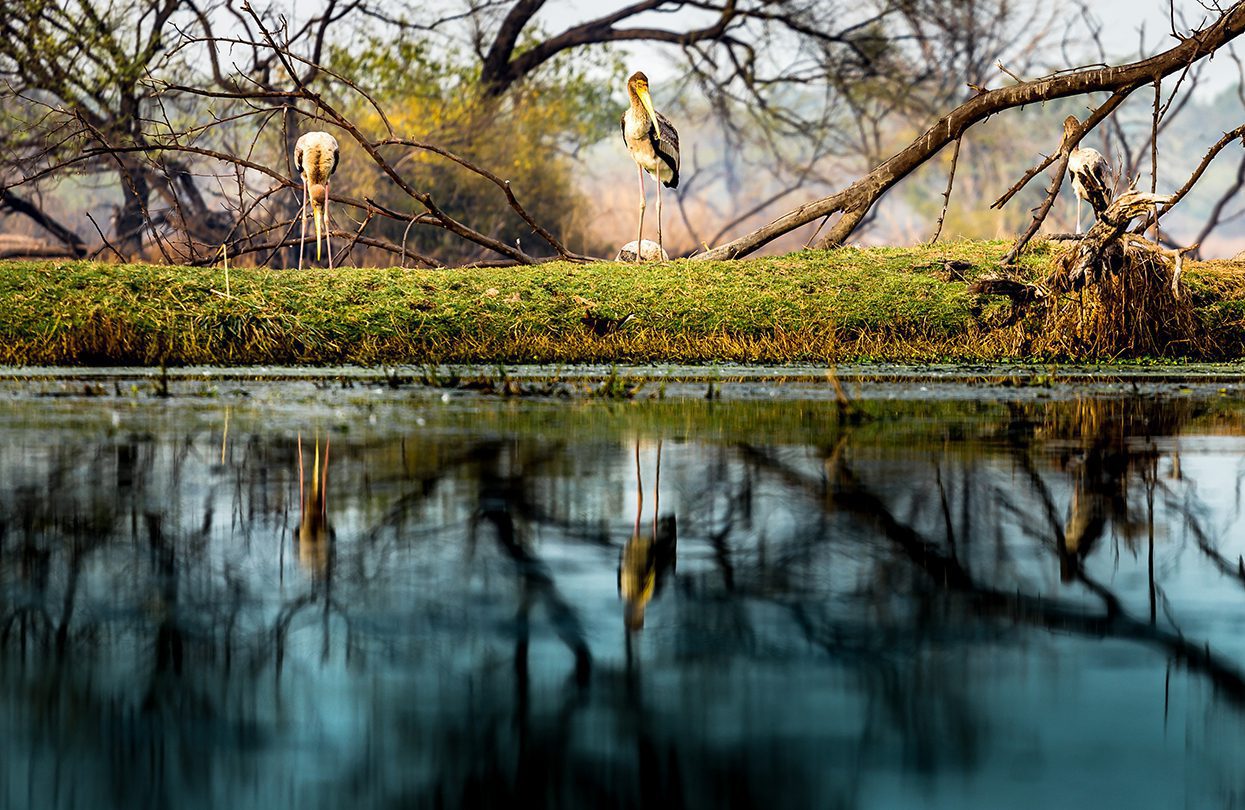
[(1131, 310)]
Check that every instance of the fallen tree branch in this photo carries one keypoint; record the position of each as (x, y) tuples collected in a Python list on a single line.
[(10, 201), (1020, 292)]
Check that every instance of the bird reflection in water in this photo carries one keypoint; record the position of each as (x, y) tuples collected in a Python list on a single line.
[(1086, 521), (646, 558), (314, 534)]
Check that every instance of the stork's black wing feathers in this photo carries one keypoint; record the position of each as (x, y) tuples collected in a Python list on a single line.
[(1103, 180), (667, 147), (1097, 187)]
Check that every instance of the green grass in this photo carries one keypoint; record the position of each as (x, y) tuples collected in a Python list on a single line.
[(850, 304)]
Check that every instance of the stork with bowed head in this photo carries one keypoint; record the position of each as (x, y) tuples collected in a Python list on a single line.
[(315, 157), (1091, 176)]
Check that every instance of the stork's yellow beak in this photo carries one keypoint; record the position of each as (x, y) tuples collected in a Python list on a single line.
[(317, 215), (647, 101)]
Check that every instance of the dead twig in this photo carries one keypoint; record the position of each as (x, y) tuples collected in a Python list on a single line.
[(946, 195)]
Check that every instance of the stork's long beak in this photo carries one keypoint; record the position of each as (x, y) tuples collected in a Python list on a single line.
[(317, 214), (647, 101)]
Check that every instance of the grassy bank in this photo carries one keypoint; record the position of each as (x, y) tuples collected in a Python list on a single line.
[(901, 304)]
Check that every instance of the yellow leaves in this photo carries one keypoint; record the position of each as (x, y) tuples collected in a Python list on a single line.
[(524, 137)]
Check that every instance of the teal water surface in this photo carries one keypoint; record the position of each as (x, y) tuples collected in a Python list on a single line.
[(363, 592)]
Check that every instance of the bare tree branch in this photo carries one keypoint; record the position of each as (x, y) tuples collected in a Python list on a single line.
[(855, 200)]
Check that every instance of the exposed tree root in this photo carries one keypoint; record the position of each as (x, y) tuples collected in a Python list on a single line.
[(1115, 294)]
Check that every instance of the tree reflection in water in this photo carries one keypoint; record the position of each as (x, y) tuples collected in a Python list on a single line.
[(927, 606)]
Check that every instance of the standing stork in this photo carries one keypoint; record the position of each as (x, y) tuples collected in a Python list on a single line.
[(654, 146), (315, 157), (1090, 174)]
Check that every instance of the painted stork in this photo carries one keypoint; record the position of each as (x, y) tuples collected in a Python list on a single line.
[(315, 157), (1090, 174), (653, 143)]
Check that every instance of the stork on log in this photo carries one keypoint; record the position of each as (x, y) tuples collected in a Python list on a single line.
[(315, 157), (654, 146), (1090, 174)]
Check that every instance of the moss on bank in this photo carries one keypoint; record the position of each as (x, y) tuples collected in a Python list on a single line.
[(900, 304)]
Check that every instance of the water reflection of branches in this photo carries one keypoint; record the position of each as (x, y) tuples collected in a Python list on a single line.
[(504, 501), (1102, 474), (865, 564)]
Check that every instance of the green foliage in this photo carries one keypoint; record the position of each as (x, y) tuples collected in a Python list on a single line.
[(529, 136)]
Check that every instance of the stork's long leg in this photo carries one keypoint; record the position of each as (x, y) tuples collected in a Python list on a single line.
[(324, 481), (302, 238), (639, 240), (639, 490), (1078, 215), (328, 229), (660, 250), (300, 470)]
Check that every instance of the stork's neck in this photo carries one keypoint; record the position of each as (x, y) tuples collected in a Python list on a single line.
[(317, 162), (637, 108), (1069, 138)]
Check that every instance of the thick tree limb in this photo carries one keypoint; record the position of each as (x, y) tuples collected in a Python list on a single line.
[(503, 68)]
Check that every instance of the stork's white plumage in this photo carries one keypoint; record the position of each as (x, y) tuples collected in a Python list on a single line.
[(653, 143), (1091, 176), (315, 157)]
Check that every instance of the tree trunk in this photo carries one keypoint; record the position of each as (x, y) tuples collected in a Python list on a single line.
[(131, 218)]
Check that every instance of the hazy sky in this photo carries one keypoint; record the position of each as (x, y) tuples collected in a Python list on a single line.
[(1122, 19)]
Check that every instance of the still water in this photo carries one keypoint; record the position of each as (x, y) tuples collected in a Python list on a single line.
[(346, 594)]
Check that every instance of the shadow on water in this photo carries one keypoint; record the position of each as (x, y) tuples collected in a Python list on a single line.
[(726, 604)]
